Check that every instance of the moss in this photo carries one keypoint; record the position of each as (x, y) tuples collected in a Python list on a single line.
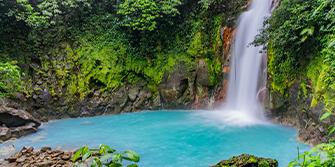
[(214, 69), (303, 87), (196, 47), (317, 72), (247, 160)]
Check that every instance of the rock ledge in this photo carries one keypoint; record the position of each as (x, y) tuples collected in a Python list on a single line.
[(15, 123)]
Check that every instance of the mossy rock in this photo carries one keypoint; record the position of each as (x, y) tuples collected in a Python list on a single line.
[(246, 160)]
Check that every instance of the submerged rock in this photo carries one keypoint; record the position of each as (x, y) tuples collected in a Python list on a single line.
[(246, 160)]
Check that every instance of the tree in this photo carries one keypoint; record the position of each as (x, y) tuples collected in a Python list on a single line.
[(144, 14)]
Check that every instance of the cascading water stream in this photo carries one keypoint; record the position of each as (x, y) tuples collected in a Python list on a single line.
[(242, 106)]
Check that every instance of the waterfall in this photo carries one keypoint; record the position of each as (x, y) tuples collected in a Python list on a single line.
[(242, 106)]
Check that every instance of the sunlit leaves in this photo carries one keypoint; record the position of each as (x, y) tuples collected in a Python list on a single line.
[(301, 33), (131, 156), (319, 156), (10, 79), (144, 14), (104, 156)]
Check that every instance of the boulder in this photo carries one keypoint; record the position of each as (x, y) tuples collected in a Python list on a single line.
[(202, 73), (17, 132), (176, 88), (132, 93), (5, 133), (246, 160), (14, 117), (16, 123)]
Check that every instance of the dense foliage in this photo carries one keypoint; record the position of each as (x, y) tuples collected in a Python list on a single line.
[(301, 44), (144, 14), (321, 155), (78, 46), (104, 156), (10, 79)]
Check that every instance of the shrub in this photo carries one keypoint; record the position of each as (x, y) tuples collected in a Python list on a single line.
[(104, 156), (10, 79), (321, 155)]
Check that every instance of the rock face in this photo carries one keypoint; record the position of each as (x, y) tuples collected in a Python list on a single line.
[(14, 118), (246, 160), (40, 158), (295, 110), (16, 123), (191, 84), (176, 90)]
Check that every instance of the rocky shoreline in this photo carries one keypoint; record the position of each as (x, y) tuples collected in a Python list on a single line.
[(295, 110), (45, 157)]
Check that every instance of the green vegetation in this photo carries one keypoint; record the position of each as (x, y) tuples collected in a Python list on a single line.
[(301, 47), (145, 14), (10, 79), (321, 155), (75, 47), (104, 156)]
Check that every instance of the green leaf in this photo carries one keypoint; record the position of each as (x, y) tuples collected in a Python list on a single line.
[(85, 150), (86, 156), (117, 158), (80, 165), (96, 162), (131, 156), (325, 115), (77, 155), (332, 130), (105, 158), (105, 149), (115, 165), (132, 165)]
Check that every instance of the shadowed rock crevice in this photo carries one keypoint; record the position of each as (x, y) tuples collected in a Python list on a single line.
[(16, 123)]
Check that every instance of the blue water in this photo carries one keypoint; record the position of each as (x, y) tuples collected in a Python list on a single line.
[(168, 139)]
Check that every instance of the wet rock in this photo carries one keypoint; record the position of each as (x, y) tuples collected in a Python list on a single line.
[(23, 130), (16, 123), (295, 110), (27, 150), (21, 159), (202, 73), (14, 118), (44, 164), (176, 89), (7, 151), (39, 158), (11, 159), (246, 160), (5, 133), (132, 94), (56, 153), (45, 149), (66, 156)]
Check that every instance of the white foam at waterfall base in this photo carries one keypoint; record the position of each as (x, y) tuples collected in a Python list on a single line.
[(242, 106)]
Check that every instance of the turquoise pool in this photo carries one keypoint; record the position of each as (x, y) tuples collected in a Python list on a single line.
[(169, 138)]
